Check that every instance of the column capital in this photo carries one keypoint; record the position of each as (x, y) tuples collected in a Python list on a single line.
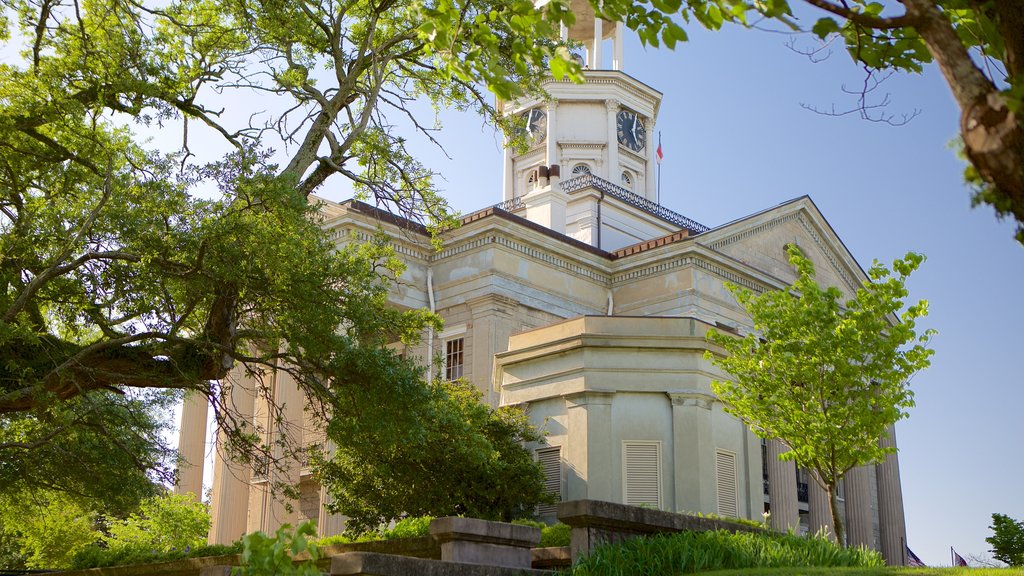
[(492, 302), (691, 398), (589, 397), (612, 104)]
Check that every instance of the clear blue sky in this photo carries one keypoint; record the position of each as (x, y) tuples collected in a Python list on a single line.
[(736, 141)]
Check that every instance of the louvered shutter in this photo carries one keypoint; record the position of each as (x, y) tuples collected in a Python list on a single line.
[(550, 460), (728, 499), (642, 473)]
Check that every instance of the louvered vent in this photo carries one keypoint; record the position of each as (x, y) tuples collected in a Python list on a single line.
[(550, 460), (642, 473), (728, 500)]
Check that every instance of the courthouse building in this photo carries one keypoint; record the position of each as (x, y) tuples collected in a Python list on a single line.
[(582, 299)]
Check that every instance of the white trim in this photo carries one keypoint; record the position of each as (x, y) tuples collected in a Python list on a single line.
[(452, 331)]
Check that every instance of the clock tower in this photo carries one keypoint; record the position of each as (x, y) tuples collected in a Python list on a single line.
[(599, 134)]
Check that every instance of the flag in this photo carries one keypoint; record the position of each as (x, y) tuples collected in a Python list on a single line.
[(958, 560), (660, 153), (913, 561)]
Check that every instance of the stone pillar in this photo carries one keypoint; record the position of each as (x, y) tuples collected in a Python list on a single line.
[(551, 141), (588, 450), (192, 444), (617, 43), (858, 508), (595, 56), (820, 512), (782, 489), (230, 502), (289, 430), (613, 172), (891, 522), (693, 452), (492, 317)]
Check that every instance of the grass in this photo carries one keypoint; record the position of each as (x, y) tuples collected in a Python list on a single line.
[(870, 571), (691, 552)]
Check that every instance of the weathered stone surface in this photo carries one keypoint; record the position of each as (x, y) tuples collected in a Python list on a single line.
[(594, 522), (183, 567), (371, 564), (553, 558), (474, 541)]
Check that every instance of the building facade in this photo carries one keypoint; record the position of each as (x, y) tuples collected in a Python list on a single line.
[(582, 299)]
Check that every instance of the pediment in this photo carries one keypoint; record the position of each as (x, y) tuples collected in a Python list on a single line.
[(760, 240)]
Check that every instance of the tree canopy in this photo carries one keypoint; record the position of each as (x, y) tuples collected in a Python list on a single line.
[(1007, 540), (825, 376), (127, 268)]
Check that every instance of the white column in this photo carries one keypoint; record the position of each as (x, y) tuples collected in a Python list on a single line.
[(230, 502), (782, 489), (891, 522), (508, 175), (588, 453), (820, 511), (563, 32), (192, 444), (595, 56), (693, 453), (617, 42), (288, 430), (858, 507), (552, 138), (613, 168)]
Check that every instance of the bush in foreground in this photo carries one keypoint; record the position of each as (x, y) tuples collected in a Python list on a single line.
[(688, 552)]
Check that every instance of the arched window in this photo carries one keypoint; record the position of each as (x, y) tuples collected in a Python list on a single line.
[(580, 169), (627, 181)]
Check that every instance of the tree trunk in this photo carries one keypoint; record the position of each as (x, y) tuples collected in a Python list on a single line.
[(993, 135), (837, 522)]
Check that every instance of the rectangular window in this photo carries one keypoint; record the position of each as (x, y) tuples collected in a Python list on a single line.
[(641, 473), (728, 489), (550, 460), (453, 359)]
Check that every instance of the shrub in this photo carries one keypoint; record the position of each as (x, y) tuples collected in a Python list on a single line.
[(554, 535), (688, 552), (95, 556)]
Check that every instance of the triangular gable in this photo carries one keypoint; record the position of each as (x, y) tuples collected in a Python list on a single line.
[(759, 241)]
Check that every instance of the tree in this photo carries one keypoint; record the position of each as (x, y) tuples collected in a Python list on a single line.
[(126, 267), (389, 479), (1007, 540), (826, 377)]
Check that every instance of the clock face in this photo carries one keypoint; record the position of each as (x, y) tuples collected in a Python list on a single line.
[(536, 124), (631, 131)]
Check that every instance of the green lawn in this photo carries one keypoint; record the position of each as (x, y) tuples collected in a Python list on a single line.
[(887, 571)]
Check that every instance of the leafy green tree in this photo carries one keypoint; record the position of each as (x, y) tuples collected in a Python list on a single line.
[(46, 528), (1007, 540), (127, 267), (465, 458), (825, 376), (162, 523)]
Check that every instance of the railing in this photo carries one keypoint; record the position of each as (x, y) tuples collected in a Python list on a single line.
[(802, 494), (635, 200), (511, 205)]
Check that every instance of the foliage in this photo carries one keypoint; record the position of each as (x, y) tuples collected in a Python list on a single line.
[(1007, 540), (690, 552), (411, 527), (873, 571), (264, 555), (826, 377), (129, 266), (46, 528), (476, 449), (94, 556), (162, 523), (550, 535)]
